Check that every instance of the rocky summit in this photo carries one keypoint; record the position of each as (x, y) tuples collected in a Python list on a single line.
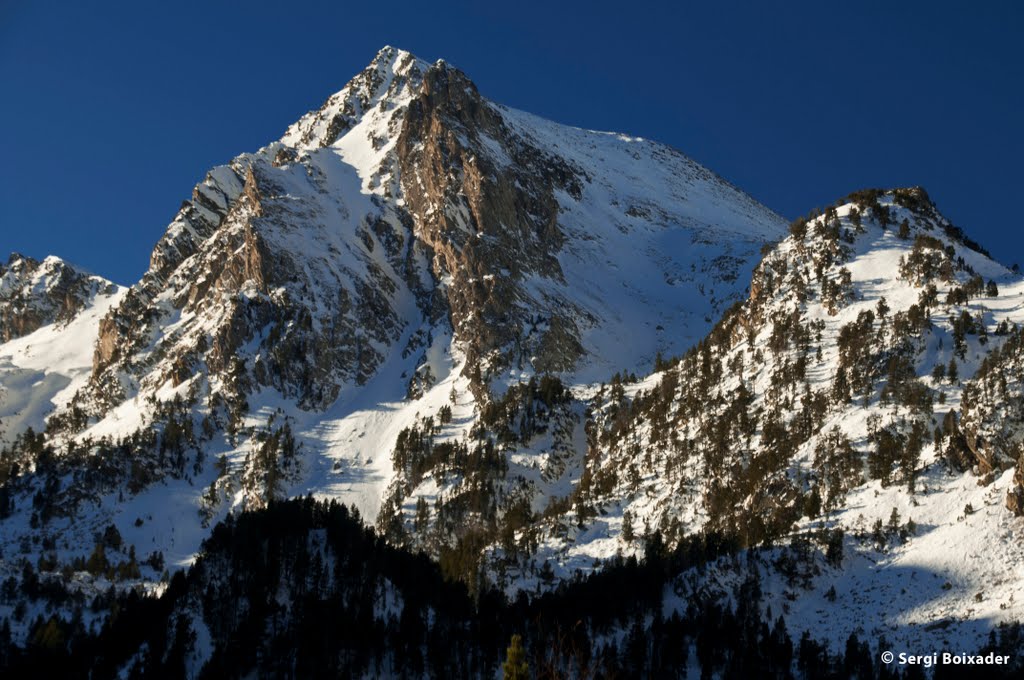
[(531, 357)]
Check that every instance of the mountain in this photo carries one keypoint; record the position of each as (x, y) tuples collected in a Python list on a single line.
[(408, 239), (408, 207), (533, 353), (49, 313), (858, 407)]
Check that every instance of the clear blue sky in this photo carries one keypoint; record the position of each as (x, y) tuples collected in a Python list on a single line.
[(111, 111)]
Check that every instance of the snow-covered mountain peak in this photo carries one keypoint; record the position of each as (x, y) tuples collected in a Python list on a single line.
[(22, 264), (388, 82), (36, 293), (412, 199)]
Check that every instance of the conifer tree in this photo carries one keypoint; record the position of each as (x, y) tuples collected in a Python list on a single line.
[(515, 666), (627, 527), (904, 232)]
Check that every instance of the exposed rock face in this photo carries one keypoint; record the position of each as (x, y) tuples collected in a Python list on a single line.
[(318, 310), (490, 225), (34, 294), (1015, 496), (127, 327)]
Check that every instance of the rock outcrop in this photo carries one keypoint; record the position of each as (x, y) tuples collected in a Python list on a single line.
[(34, 294)]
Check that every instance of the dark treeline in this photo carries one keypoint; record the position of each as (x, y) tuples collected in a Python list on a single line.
[(302, 589)]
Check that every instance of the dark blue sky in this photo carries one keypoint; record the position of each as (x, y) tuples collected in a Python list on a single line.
[(110, 114)]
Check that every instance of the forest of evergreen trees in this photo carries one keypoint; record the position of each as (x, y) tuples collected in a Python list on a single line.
[(302, 589)]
